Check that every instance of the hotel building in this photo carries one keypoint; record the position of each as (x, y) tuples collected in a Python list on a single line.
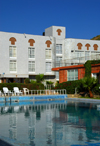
[(24, 56)]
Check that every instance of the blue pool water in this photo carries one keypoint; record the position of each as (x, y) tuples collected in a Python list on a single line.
[(50, 123)]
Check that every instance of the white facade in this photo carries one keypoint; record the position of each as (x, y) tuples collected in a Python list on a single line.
[(24, 56)]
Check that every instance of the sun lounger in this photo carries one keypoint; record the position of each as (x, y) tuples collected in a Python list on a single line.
[(6, 91), (17, 91)]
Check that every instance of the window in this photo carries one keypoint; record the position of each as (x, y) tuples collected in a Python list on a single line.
[(31, 52), (12, 51), (95, 55), (87, 54), (58, 61), (31, 66), (48, 66), (58, 58), (12, 65), (48, 53), (79, 55), (57, 75), (72, 74), (59, 49)]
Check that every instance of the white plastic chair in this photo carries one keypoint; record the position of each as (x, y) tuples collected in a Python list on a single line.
[(17, 91), (26, 91), (6, 91)]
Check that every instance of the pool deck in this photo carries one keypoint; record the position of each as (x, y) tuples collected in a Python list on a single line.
[(78, 98)]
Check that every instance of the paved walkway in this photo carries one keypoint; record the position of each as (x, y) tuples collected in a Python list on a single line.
[(78, 99)]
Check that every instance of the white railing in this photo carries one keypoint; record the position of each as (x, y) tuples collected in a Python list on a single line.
[(37, 92), (47, 92)]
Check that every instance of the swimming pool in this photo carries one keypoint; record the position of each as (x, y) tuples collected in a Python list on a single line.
[(54, 123)]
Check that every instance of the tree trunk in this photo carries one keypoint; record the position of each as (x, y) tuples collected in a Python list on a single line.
[(91, 94)]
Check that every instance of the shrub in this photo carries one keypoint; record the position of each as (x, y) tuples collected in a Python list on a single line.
[(87, 84), (96, 89), (49, 82), (32, 81), (27, 80)]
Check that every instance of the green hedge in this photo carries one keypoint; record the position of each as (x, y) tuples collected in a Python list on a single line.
[(87, 66), (30, 86), (69, 86)]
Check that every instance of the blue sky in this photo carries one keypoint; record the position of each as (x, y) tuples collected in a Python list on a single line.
[(80, 17)]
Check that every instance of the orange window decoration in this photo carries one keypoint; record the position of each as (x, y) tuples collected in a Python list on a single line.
[(13, 40), (95, 47), (48, 43), (31, 41), (87, 45), (59, 31), (79, 46)]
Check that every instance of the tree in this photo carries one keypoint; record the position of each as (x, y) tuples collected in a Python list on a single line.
[(88, 84), (39, 78)]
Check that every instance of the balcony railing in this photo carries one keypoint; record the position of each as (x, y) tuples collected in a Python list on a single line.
[(75, 61)]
